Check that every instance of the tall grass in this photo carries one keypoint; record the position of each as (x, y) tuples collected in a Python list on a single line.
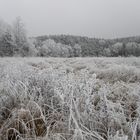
[(67, 99)]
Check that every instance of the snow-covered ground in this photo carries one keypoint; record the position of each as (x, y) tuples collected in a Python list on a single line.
[(70, 98)]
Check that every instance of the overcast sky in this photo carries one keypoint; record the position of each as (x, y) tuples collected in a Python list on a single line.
[(93, 18)]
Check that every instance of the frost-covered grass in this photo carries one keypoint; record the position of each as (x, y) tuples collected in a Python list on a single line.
[(70, 98)]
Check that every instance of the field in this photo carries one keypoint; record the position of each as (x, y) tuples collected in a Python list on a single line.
[(70, 98)]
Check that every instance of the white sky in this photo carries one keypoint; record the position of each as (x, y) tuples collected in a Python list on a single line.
[(93, 18)]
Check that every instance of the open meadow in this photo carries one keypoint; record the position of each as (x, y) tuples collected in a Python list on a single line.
[(70, 98)]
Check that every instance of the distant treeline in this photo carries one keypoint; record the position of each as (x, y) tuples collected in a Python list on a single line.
[(98, 47), (14, 42)]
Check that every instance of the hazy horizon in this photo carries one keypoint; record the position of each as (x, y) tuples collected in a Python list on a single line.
[(92, 18)]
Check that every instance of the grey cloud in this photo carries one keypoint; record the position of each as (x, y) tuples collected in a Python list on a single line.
[(93, 18)]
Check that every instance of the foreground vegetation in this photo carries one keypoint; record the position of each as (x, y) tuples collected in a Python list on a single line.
[(69, 99)]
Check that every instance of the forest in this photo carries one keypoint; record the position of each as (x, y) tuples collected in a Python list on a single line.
[(14, 41)]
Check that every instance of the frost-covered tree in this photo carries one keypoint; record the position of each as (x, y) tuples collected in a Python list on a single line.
[(64, 50), (3, 27), (102, 42), (132, 48), (107, 52), (47, 49), (7, 46), (77, 50), (19, 31), (32, 51), (138, 50), (53, 49), (20, 37), (116, 49)]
